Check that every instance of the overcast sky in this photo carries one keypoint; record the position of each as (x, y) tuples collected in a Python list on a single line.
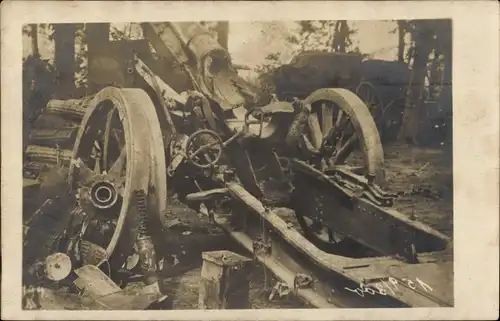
[(251, 42)]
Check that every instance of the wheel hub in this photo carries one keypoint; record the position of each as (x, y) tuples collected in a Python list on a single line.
[(103, 194)]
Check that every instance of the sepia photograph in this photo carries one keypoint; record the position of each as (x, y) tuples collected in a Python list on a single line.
[(192, 162), (179, 165)]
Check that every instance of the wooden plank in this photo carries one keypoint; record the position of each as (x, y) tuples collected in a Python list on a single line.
[(94, 282), (137, 299)]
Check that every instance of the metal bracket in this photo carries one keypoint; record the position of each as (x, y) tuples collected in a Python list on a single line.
[(361, 188)]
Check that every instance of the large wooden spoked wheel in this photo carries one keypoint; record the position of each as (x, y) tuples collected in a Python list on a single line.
[(339, 126), (370, 96), (117, 172)]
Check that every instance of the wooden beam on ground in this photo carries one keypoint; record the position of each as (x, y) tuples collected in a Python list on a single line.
[(225, 283), (70, 108), (40, 154)]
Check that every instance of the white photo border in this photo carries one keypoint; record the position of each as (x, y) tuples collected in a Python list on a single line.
[(475, 141)]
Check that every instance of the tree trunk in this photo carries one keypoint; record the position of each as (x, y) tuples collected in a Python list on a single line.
[(401, 40), (97, 33), (223, 33), (423, 40), (97, 36), (34, 40), (64, 38), (340, 36), (435, 75), (445, 99), (444, 39)]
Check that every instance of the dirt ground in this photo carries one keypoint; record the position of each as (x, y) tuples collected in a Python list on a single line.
[(422, 176), (425, 176), (191, 235)]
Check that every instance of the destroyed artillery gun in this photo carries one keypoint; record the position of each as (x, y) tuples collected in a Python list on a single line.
[(253, 164)]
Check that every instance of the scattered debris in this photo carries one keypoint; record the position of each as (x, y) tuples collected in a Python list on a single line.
[(172, 223), (281, 289)]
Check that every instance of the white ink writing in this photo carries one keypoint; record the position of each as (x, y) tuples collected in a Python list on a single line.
[(391, 286)]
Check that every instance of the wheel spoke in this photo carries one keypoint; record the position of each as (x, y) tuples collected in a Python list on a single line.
[(308, 144), (340, 115), (345, 150), (119, 140), (116, 169), (368, 96), (84, 172), (331, 239), (107, 137), (204, 148), (208, 158), (338, 142), (327, 119), (97, 164), (315, 130)]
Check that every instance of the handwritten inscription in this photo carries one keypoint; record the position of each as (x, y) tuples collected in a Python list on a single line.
[(390, 287)]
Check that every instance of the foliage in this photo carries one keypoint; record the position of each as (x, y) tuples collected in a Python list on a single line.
[(81, 57), (314, 35), (125, 31)]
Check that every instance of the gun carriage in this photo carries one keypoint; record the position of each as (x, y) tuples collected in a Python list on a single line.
[(254, 164)]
